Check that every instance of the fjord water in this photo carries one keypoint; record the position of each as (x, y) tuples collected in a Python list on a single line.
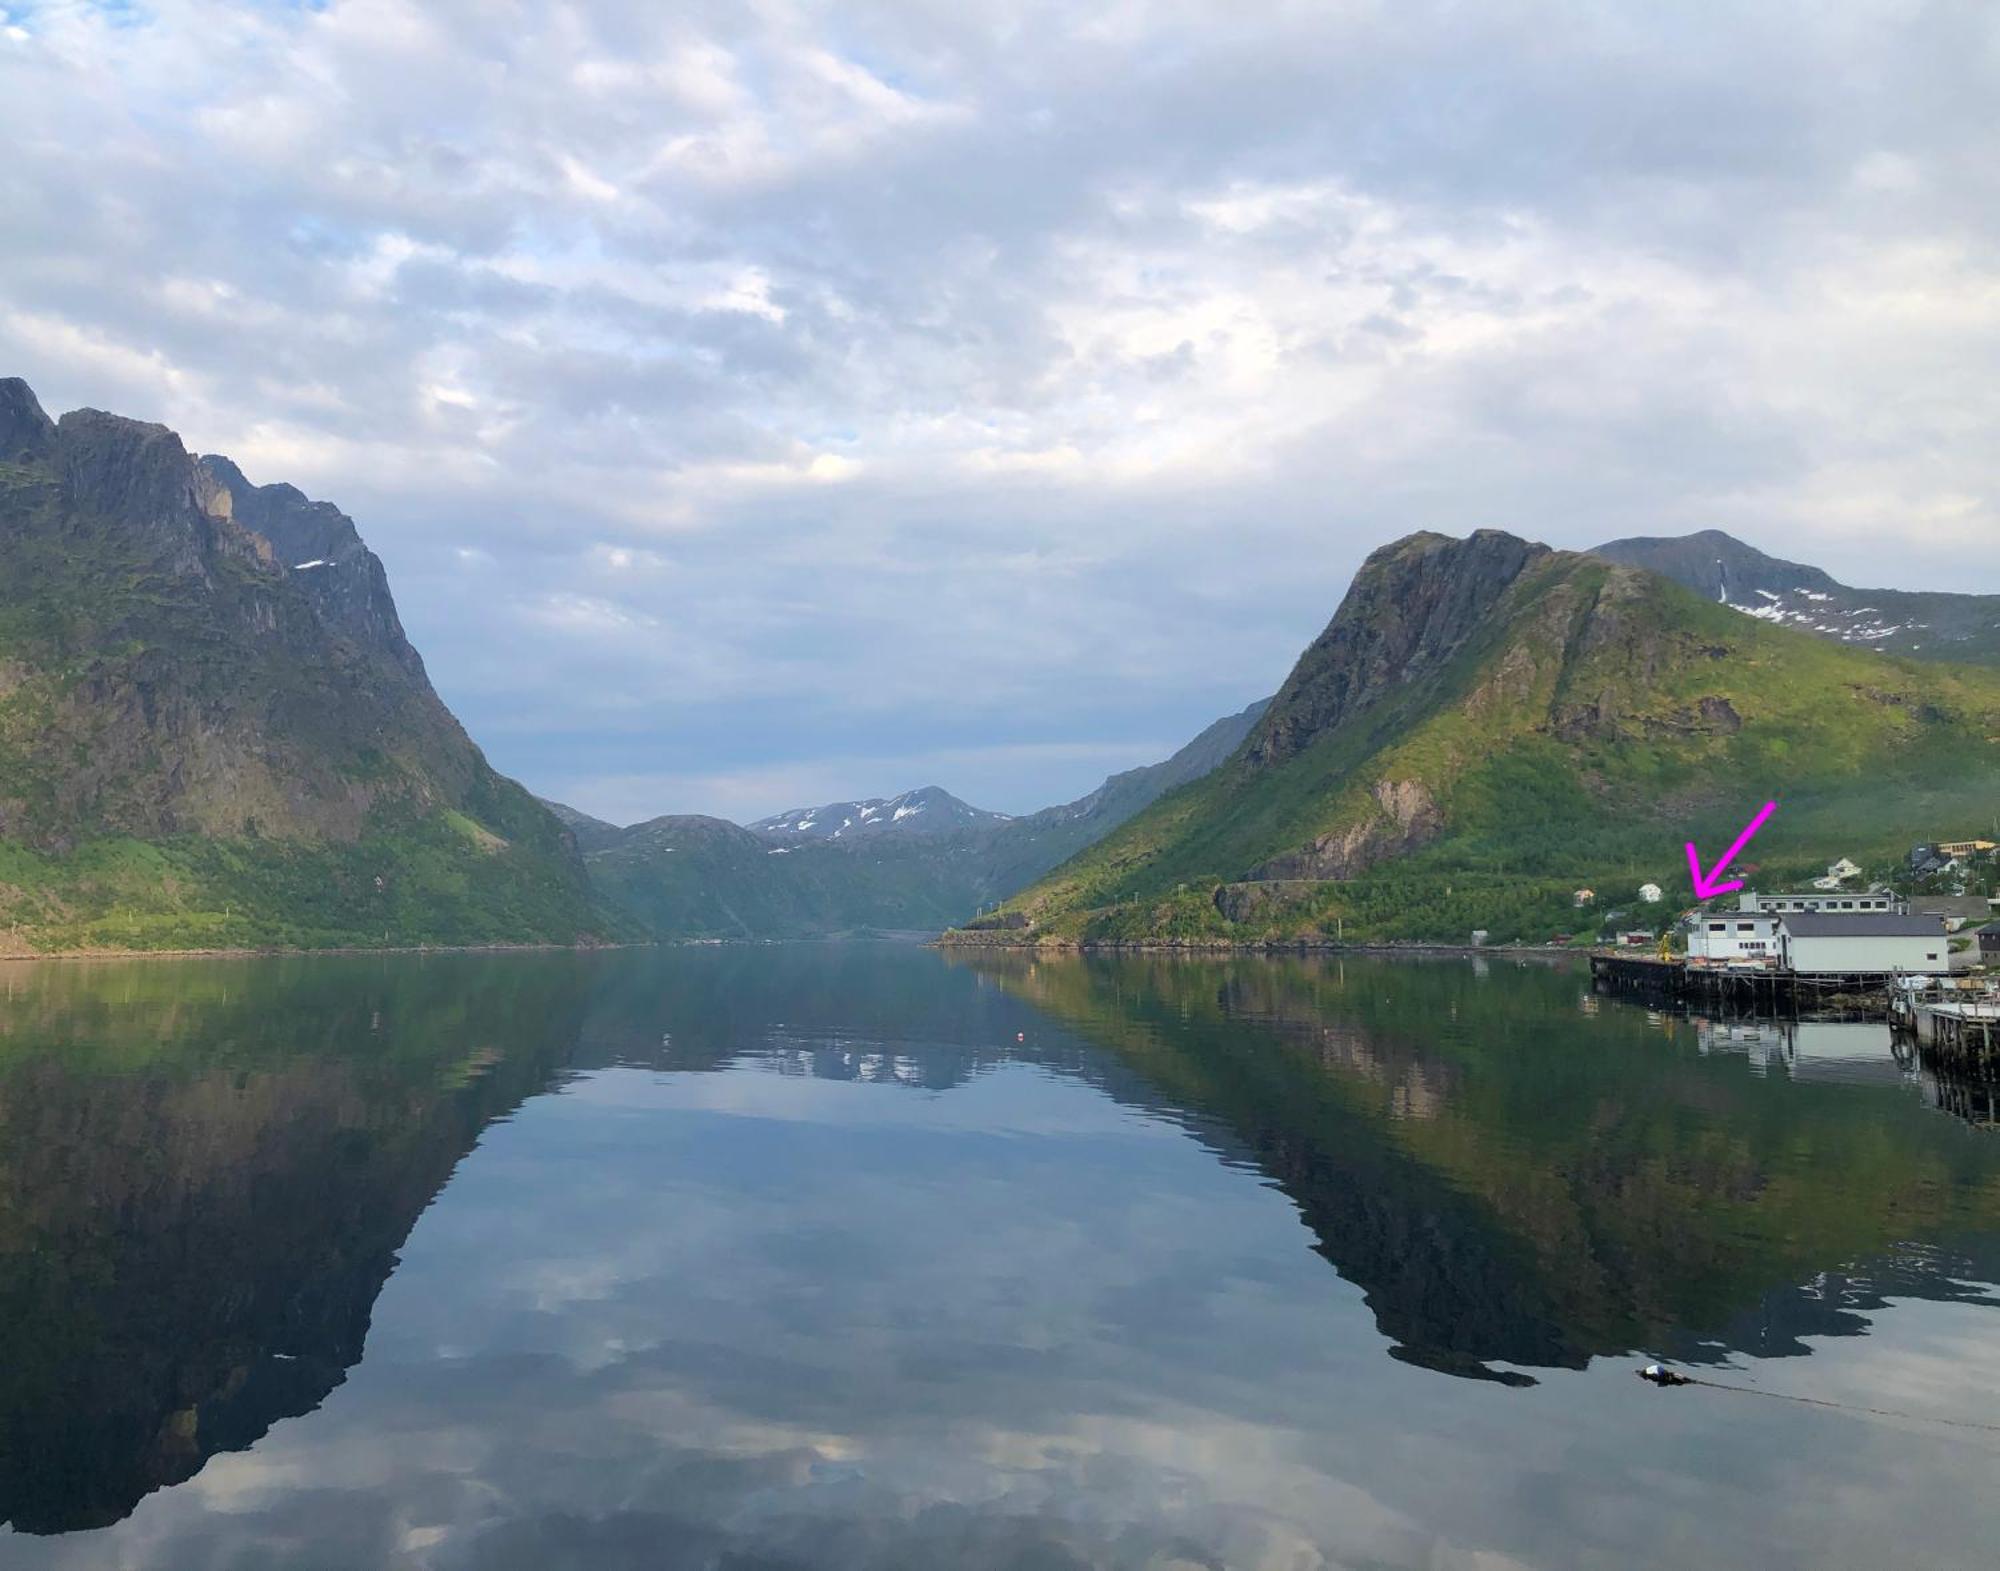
[(864, 1256)]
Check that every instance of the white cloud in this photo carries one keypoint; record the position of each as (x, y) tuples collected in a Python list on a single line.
[(984, 361)]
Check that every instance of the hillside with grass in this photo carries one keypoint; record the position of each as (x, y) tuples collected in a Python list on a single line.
[(1487, 725), (211, 739)]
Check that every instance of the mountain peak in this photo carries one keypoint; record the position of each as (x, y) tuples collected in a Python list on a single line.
[(1488, 725), (1719, 567), (1410, 608), (26, 431), (928, 810)]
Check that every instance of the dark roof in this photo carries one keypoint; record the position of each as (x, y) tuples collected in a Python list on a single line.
[(1860, 924), (1951, 905)]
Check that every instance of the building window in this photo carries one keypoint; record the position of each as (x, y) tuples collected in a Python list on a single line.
[(1746, 927), (1718, 927)]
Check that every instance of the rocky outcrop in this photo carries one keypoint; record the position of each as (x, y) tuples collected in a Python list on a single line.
[(1410, 610), (26, 431), (1404, 817), (318, 547)]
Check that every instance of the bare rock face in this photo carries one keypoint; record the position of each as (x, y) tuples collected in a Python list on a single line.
[(177, 669), (26, 433), (1405, 818), (317, 545), (1409, 611)]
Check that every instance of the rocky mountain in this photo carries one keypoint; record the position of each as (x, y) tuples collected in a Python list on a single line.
[(928, 810), (213, 730), (1487, 725), (911, 863), (1719, 567)]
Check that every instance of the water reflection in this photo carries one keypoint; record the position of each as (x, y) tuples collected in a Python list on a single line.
[(205, 1174), (853, 1256), (1516, 1181)]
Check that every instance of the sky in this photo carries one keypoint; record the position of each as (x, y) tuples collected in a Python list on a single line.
[(762, 403)]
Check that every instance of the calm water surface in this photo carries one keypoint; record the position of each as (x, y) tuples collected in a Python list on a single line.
[(859, 1256)]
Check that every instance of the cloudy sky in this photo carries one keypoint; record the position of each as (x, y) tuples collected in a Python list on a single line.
[(761, 402)]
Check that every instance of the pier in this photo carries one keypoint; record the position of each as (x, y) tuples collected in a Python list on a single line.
[(1953, 1037), (1743, 990)]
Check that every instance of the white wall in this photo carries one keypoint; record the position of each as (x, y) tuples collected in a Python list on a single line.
[(1743, 938), (1922, 953)]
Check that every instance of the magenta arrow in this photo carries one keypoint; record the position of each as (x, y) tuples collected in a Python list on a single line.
[(1710, 883)]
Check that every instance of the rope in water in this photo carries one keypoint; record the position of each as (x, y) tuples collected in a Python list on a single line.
[(1843, 1407)]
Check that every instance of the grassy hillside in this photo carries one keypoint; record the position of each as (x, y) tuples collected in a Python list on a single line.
[(695, 877), (1418, 782)]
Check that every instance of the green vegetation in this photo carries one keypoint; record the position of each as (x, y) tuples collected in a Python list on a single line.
[(197, 752), (693, 877), (1590, 723), (399, 887)]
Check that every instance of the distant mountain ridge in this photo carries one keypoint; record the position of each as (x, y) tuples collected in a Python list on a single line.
[(917, 862), (1487, 725), (928, 810), (1929, 624), (213, 730)]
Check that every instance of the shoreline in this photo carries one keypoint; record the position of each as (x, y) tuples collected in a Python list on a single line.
[(1238, 946), (277, 952)]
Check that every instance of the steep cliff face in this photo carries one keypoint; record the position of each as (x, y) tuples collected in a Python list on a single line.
[(1412, 607), (1487, 724), (185, 655), (318, 548)]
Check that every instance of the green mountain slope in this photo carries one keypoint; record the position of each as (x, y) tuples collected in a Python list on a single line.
[(208, 738), (1930, 624), (687, 876), (691, 877), (1487, 724)]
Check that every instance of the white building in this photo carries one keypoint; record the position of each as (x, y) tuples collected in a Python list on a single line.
[(1873, 943), (1732, 938), (1880, 900), (1650, 893)]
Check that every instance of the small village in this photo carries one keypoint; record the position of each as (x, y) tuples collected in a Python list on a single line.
[(1925, 958)]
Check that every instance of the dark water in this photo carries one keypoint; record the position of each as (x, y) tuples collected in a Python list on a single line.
[(861, 1257)]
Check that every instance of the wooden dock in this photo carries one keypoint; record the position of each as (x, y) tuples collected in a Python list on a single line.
[(1960, 1039), (1762, 991)]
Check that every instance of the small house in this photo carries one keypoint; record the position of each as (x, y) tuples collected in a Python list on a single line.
[(1583, 897), (1989, 943), (1861, 943), (1843, 869), (1650, 893)]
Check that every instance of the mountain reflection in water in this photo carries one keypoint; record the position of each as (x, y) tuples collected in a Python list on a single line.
[(208, 1171)]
